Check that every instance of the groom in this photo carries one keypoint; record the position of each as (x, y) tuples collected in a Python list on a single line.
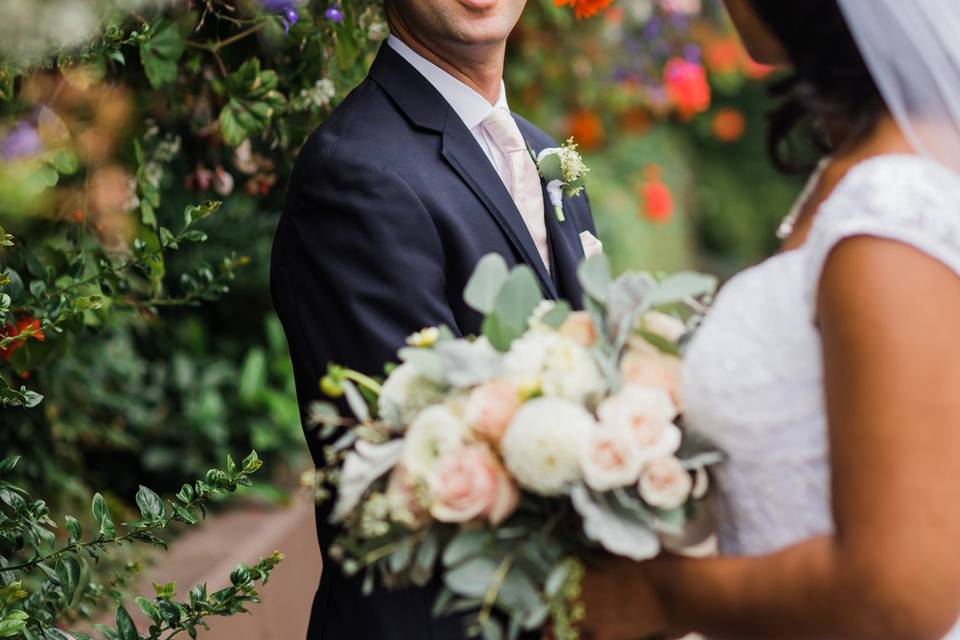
[(417, 175)]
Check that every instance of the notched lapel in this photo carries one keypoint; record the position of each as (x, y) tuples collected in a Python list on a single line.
[(466, 157)]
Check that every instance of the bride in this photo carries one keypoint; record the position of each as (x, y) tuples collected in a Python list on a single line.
[(831, 372)]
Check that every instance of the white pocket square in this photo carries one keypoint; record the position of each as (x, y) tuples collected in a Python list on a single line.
[(591, 245)]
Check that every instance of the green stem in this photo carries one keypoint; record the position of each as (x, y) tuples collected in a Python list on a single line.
[(220, 44), (363, 380), (77, 546), (490, 597)]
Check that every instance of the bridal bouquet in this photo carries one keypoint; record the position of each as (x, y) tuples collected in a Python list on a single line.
[(498, 463)]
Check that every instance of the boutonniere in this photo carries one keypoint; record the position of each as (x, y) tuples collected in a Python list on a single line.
[(563, 169)]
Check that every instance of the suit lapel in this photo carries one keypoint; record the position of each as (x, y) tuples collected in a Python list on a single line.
[(567, 252), (466, 157), (426, 108), (565, 244)]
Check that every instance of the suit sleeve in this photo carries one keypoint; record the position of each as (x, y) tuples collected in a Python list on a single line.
[(366, 265)]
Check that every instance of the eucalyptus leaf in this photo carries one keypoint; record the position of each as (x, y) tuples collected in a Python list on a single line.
[(473, 577), (400, 559), (485, 283), (595, 278), (681, 286), (557, 315), (491, 630), (468, 363), (466, 544), (515, 303), (615, 533), (428, 362)]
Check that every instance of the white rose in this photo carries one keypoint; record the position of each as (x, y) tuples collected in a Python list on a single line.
[(668, 327), (434, 432), (562, 367), (405, 393), (665, 484), (610, 459), (541, 447), (649, 414)]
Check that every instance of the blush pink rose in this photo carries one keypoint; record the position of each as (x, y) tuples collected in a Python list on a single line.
[(470, 483), (648, 413), (665, 484), (653, 369), (491, 407), (403, 498), (610, 459), (580, 328)]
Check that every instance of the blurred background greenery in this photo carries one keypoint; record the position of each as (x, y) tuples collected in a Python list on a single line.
[(137, 339)]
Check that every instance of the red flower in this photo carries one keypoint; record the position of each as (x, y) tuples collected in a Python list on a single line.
[(687, 87), (11, 331), (584, 8), (656, 197)]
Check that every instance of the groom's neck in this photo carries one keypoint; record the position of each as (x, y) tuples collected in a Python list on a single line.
[(480, 67)]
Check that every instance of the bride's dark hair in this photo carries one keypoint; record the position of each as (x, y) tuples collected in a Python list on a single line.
[(830, 79)]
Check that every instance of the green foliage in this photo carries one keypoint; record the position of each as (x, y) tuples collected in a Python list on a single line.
[(60, 577), (115, 242)]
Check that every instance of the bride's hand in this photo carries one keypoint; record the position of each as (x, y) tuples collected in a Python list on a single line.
[(621, 604)]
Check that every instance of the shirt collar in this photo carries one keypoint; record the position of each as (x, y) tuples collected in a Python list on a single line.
[(472, 107)]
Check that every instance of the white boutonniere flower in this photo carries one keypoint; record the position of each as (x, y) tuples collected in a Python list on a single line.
[(563, 169)]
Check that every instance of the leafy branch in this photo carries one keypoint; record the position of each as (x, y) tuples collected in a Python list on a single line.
[(27, 529)]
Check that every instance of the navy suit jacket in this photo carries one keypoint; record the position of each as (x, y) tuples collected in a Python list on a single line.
[(390, 206)]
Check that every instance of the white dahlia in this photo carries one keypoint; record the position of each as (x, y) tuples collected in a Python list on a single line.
[(541, 447), (434, 432), (563, 368)]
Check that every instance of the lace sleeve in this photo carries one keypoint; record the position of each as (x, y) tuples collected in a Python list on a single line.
[(905, 198)]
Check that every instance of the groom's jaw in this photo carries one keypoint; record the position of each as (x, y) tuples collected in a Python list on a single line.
[(465, 38)]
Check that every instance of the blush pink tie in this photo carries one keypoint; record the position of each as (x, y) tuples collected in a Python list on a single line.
[(523, 183)]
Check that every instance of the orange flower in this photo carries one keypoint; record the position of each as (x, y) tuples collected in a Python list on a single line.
[(12, 331), (723, 56), (656, 197), (584, 8), (728, 125), (586, 127), (687, 87), (635, 120)]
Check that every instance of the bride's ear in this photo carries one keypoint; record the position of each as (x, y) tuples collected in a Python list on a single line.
[(761, 43)]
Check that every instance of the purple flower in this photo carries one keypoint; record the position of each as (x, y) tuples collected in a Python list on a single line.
[(333, 14), (692, 53), (23, 140), (287, 10)]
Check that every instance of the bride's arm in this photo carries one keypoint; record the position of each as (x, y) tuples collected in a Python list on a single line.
[(890, 323)]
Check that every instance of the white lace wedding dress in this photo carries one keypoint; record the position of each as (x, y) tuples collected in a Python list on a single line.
[(753, 378)]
